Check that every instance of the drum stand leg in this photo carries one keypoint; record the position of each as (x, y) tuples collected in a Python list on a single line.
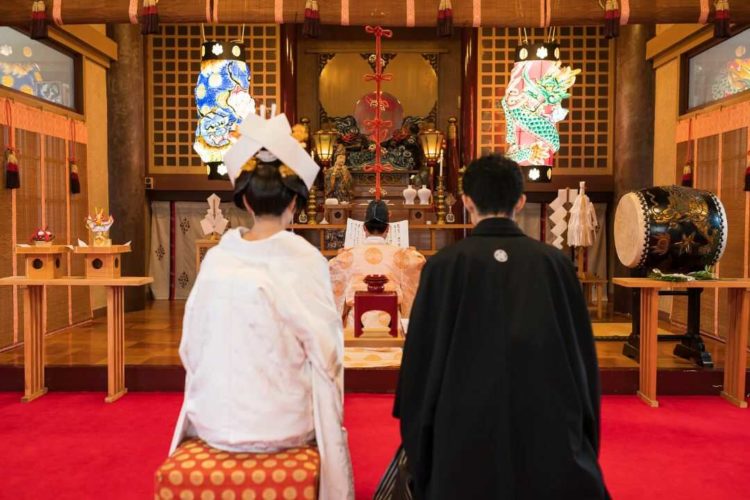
[(632, 347), (692, 347)]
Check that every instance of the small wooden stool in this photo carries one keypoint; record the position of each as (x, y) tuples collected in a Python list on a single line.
[(196, 470)]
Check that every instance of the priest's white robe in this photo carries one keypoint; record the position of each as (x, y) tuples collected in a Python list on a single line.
[(262, 347)]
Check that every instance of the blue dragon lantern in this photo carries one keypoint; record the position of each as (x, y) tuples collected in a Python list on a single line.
[(533, 105), (223, 100)]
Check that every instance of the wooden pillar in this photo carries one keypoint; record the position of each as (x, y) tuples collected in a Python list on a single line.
[(633, 131), (288, 71), (127, 154)]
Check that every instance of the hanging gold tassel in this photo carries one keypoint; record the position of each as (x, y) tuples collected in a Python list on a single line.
[(12, 177), (612, 19), (445, 18), (38, 20), (721, 19), (687, 175), (150, 18), (311, 26)]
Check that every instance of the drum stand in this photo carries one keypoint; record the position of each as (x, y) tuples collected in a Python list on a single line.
[(691, 344)]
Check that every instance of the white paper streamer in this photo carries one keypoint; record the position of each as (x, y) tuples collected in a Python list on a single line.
[(582, 224), (558, 217)]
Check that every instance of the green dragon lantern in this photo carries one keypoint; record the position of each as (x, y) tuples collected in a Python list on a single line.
[(533, 105)]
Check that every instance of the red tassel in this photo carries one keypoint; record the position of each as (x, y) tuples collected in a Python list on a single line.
[(150, 18), (311, 26), (445, 18), (612, 19), (38, 20), (722, 20), (12, 177), (75, 182), (687, 175)]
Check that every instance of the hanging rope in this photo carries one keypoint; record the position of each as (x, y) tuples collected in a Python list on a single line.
[(57, 12), (133, 11), (377, 126)]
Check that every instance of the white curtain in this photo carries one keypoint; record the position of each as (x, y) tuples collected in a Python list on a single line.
[(529, 220), (160, 249), (185, 225)]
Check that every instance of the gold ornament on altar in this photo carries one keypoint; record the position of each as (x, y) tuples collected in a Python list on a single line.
[(338, 179), (99, 227), (301, 133)]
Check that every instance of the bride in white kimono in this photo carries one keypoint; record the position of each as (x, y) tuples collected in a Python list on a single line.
[(262, 343)]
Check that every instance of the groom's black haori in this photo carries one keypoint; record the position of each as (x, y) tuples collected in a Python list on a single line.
[(498, 394)]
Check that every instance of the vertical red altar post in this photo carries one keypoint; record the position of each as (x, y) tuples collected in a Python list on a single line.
[(377, 126)]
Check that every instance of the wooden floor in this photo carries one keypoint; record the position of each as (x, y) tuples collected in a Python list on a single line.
[(153, 335)]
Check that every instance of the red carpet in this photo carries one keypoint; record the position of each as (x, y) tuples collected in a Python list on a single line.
[(76, 446)]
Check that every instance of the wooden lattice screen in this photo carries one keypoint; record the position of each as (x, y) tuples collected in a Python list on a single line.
[(173, 65), (585, 135)]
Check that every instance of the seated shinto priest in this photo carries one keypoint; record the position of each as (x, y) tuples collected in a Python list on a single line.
[(402, 267)]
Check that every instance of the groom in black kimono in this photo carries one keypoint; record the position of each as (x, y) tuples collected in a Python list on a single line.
[(498, 394)]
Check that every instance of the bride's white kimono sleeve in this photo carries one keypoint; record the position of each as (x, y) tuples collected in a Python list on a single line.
[(312, 312)]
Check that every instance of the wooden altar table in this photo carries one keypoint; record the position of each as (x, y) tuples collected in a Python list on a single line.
[(735, 364), (34, 309), (432, 228)]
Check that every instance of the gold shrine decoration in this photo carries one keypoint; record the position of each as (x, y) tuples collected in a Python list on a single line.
[(399, 13)]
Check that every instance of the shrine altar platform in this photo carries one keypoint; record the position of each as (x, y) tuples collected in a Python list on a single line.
[(76, 358)]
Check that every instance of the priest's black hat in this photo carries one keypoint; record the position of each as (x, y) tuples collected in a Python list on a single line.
[(377, 210)]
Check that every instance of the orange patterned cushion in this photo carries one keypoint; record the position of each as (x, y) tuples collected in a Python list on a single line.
[(197, 471)]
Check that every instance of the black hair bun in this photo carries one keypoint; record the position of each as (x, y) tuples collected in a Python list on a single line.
[(269, 188)]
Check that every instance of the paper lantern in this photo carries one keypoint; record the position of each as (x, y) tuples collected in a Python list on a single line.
[(223, 100), (533, 106)]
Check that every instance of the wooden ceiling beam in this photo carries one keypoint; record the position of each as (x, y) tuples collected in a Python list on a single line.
[(386, 12)]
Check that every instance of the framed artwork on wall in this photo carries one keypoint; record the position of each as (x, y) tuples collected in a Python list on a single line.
[(716, 72)]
